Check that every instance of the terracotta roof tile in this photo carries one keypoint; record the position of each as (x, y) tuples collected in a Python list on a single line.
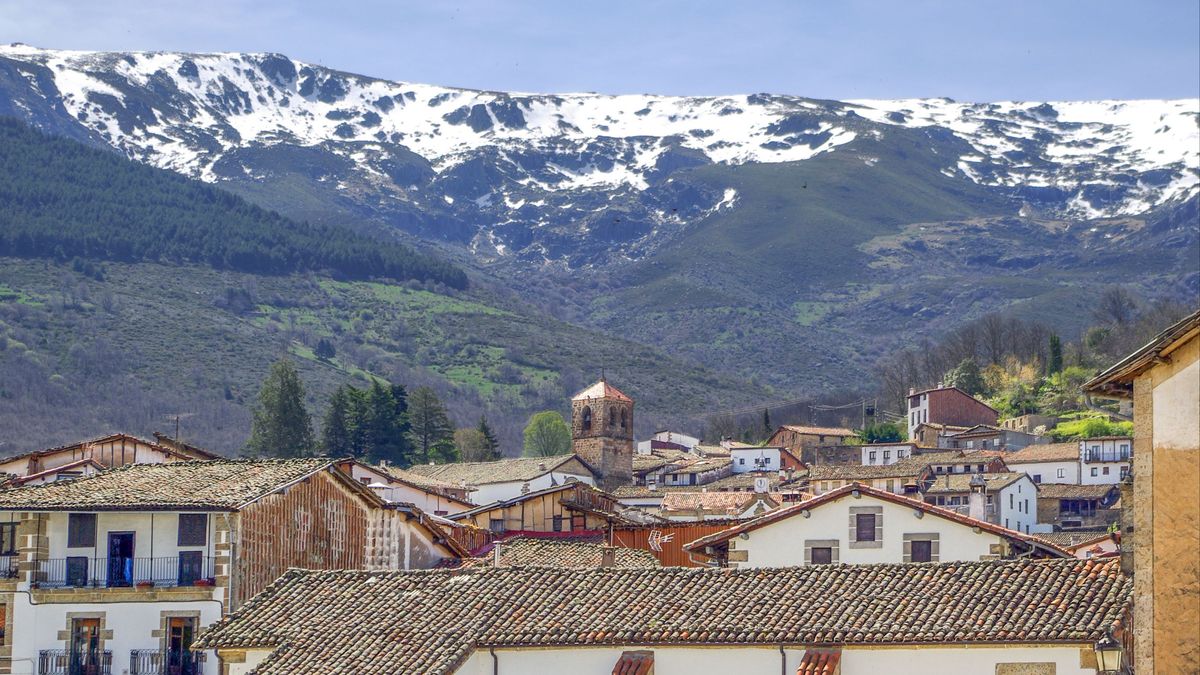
[(819, 662), (961, 482), (396, 623), (1047, 452), (634, 663), (560, 553), (731, 503), (483, 473), (217, 484), (1056, 491), (819, 431), (601, 389)]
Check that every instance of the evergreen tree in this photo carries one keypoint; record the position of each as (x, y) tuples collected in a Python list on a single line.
[(324, 350), (967, 376), (546, 435), (767, 430), (357, 421), (489, 436), (429, 424), (1056, 355), (337, 432), (384, 427), (282, 426)]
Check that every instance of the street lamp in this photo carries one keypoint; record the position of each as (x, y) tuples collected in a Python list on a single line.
[(1108, 654)]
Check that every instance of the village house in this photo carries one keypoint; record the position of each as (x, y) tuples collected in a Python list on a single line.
[(1051, 463), (572, 507), (88, 457), (118, 571), (1030, 424), (1163, 535), (948, 406), (1010, 499), (398, 485), (1105, 460), (650, 467), (907, 476), (883, 528), (667, 440), (802, 440), (970, 618), (1085, 544), (1070, 507), (507, 478), (988, 437), (930, 435), (886, 453), (696, 471)]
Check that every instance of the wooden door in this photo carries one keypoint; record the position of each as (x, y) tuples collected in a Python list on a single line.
[(85, 658)]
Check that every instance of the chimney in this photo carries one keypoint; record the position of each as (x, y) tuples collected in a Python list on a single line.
[(384, 463), (608, 556), (977, 500), (541, 466), (912, 390), (496, 555)]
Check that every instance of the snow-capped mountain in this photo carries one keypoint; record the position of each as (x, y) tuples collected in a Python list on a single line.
[(529, 176)]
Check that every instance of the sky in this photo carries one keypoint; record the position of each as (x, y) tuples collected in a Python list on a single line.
[(968, 50)]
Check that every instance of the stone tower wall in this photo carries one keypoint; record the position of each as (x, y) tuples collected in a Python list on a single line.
[(606, 447)]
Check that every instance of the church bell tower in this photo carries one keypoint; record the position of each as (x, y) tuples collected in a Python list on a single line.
[(602, 433)]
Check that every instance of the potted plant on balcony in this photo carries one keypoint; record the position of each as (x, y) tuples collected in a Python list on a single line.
[(203, 582), (144, 585)]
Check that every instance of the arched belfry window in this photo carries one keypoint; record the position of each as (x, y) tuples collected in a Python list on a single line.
[(612, 417), (586, 419), (624, 420)]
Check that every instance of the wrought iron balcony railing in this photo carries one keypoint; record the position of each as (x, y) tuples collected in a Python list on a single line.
[(84, 572)]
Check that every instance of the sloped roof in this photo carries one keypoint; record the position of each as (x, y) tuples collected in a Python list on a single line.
[(190, 452), (499, 471), (203, 485), (396, 623), (964, 393), (847, 491), (634, 663), (732, 503), (1072, 539), (601, 389), (1117, 380), (1056, 491), (417, 480), (1047, 452), (961, 482), (560, 553), (905, 468), (818, 431), (820, 662)]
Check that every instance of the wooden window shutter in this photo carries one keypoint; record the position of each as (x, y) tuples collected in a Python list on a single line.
[(81, 530), (193, 529)]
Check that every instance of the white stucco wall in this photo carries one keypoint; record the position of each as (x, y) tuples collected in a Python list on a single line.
[(781, 544), (156, 534), (1016, 506), (494, 492), (768, 661), (253, 658), (1049, 471), (1176, 412), (754, 459), (36, 627)]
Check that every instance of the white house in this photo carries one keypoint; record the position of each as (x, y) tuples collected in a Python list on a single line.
[(1011, 498), (970, 618), (667, 440), (507, 478), (113, 450), (397, 485), (755, 459), (886, 453), (1052, 463), (859, 525), (117, 572), (1105, 460)]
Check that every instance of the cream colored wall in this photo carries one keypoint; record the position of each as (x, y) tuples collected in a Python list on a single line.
[(253, 658), (1049, 471), (36, 627), (781, 544), (163, 524), (494, 492), (767, 660)]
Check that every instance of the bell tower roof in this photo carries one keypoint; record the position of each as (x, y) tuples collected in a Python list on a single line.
[(601, 389)]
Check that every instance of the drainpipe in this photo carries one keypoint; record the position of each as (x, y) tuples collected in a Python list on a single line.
[(782, 661), (495, 661)]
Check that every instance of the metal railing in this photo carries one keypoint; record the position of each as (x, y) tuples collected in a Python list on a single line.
[(82, 662), (159, 662), (83, 572), (1107, 456), (8, 566)]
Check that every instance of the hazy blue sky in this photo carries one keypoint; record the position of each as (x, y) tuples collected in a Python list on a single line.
[(964, 49)]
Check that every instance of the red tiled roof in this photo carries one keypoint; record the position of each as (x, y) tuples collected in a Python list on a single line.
[(1044, 452), (819, 662), (634, 663), (601, 389), (795, 509), (430, 622), (819, 431)]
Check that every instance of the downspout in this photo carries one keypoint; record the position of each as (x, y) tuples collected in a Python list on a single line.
[(495, 661), (782, 661)]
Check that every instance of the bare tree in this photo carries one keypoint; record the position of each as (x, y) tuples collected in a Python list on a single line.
[(1116, 306)]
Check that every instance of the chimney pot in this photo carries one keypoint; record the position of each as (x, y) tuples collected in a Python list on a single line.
[(608, 556)]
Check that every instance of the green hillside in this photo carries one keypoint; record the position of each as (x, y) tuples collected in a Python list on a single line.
[(64, 200)]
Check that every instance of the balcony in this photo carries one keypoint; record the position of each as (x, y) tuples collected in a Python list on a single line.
[(8, 567), (65, 662), (83, 572), (1107, 456), (158, 662)]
